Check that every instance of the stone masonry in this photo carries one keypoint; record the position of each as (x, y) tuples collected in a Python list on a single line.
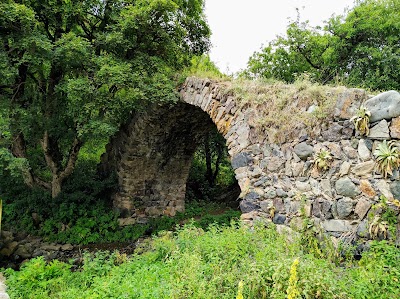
[(152, 156)]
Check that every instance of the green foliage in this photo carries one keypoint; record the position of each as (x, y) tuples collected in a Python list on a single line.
[(387, 157), (211, 173), (73, 71), (203, 67), (359, 48), (361, 121), (193, 263)]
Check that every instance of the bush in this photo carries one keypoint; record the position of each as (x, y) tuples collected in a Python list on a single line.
[(193, 263)]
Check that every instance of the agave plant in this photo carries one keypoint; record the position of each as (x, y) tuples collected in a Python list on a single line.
[(322, 159), (378, 228), (387, 157), (361, 120)]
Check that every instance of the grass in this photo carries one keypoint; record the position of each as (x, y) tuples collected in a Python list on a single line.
[(280, 107), (193, 263)]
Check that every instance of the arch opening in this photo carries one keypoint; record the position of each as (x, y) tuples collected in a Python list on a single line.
[(152, 156)]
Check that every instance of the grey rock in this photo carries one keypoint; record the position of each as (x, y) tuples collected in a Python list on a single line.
[(303, 150), (266, 205), (247, 206), (279, 205), (23, 252), (275, 163), (297, 168), (50, 247), (395, 189), (321, 208), (362, 229), (384, 189), (344, 207), (335, 225), (344, 168), (350, 152), (67, 247), (252, 196), (362, 208), (271, 193), (326, 187), (384, 106), (260, 182), (279, 219), (241, 160), (380, 131), (303, 186), (346, 187), (334, 132), (281, 193), (363, 150), (364, 168)]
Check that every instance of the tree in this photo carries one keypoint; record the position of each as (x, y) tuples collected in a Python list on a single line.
[(72, 71), (361, 48)]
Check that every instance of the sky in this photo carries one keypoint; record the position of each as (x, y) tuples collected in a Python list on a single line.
[(241, 27)]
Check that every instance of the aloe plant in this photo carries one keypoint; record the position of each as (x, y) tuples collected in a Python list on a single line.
[(361, 120), (322, 159), (387, 157)]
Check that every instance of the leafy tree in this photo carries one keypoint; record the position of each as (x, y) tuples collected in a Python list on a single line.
[(361, 48), (71, 71)]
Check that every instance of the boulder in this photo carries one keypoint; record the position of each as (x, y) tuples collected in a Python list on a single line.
[(384, 106)]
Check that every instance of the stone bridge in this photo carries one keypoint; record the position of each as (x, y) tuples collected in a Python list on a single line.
[(279, 181)]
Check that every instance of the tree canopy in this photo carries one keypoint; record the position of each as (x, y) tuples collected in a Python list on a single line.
[(71, 71), (360, 48)]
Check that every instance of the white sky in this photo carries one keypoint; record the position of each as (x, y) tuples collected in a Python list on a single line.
[(241, 27)]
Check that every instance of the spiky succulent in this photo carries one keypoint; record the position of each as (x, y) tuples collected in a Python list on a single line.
[(322, 159), (387, 156), (361, 120)]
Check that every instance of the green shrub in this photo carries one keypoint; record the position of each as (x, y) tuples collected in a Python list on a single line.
[(194, 263)]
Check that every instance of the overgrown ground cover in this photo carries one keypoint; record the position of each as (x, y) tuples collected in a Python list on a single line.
[(193, 263)]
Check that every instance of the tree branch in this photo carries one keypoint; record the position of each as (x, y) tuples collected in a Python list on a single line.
[(47, 154), (73, 157)]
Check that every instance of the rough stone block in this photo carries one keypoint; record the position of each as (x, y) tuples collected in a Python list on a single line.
[(303, 150), (380, 131), (346, 187), (384, 106), (336, 225), (364, 168), (362, 208)]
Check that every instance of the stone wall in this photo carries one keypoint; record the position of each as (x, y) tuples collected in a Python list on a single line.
[(278, 182)]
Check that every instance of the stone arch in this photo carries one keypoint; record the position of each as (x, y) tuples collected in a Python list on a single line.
[(152, 153)]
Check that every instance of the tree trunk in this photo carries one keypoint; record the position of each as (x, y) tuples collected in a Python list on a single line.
[(59, 175), (56, 184), (207, 152)]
